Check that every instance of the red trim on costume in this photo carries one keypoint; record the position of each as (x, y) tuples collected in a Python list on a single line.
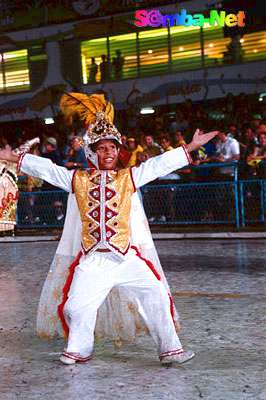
[(77, 358), (131, 175), (189, 158), (20, 161), (172, 306), (153, 269), (171, 353), (148, 262), (66, 288), (72, 181)]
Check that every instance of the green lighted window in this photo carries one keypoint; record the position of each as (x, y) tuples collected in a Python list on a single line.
[(157, 53), (254, 46), (215, 46), (127, 46), (14, 72), (92, 48), (185, 45), (153, 45)]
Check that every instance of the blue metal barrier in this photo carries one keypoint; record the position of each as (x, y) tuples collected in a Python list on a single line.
[(235, 202), (252, 201), (195, 203), (42, 209)]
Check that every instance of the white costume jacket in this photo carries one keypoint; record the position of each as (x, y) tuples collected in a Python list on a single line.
[(105, 201)]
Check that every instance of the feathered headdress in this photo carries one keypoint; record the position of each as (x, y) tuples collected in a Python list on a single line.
[(95, 111)]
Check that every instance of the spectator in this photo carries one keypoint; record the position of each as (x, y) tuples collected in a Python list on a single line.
[(261, 129), (256, 159), (151, 147), (105, 69), (179, 139), (117, 65), (76, 156), (233, 132), (134, 149), (93, 69), (234, 53), (227, 150), (165, 143), (180, 123), (142, 156), (248, 142), (51, 151)]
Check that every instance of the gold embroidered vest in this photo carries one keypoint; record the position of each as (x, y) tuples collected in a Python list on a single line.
[(104, 201)]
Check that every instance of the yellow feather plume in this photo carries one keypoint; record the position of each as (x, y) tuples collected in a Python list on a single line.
[(85, 107)]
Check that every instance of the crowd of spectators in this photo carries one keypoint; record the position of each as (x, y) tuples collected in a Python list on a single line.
[(241, 140), (241, 121)]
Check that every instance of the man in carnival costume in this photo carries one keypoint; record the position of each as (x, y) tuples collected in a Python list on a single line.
[(116, 278)]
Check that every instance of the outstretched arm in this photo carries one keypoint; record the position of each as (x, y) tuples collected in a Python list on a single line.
[(170, 161), (40, 167)]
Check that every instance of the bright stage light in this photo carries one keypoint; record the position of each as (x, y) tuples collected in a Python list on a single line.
[(261, 96), (48, 121), (147, 110)]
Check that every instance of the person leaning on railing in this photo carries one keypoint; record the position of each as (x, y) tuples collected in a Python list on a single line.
[(227, 150)]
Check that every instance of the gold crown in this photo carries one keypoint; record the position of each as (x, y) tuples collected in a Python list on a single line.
[(102, 129), (95, 111)]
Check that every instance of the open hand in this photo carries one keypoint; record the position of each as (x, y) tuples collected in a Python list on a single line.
[(200, 138)]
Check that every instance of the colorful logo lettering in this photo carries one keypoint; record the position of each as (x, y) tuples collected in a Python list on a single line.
[(156, 19)]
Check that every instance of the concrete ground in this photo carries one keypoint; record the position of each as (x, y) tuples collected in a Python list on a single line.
[(219, 290)]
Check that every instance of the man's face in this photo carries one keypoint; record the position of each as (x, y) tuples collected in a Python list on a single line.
[(165, 143), (262, 139), (232, 129), (249, 134), (222, 136), (132, 144), (49, 147), (178, 136), (107, 153), (149, 141)]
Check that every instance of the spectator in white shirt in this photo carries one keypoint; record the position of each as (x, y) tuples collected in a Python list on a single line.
[(227, 150)]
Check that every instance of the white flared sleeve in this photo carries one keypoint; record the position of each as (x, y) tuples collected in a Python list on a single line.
[(160, 166), (45, 169)]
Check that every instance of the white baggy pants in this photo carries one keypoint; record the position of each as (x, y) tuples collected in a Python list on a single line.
[(93, 279)]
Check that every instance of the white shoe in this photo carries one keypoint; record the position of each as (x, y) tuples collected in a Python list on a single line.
[(66, 360), (73, 358), (177, 358)]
